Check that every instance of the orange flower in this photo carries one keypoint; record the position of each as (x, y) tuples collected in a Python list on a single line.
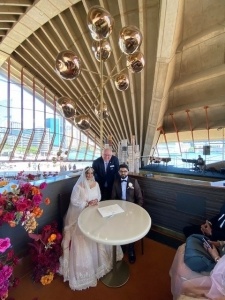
[(47, 279), (35, 190), (37, 211), (12, 223), (3, 183), (52, 238), (47, 201)]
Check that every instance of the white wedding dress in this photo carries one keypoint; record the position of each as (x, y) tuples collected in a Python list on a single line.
[(83, 261)]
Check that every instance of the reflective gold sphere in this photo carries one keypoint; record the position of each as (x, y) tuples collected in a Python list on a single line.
[(121, 82), (130, 39), (105, 112), (82, 122), (67, 65), (101, 49), (67, 107), (136, 62), (99, 22)]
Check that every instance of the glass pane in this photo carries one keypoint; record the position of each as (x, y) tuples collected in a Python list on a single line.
[(44, 146), (97, 152), (82, 151), (75, 144), (90, 150)]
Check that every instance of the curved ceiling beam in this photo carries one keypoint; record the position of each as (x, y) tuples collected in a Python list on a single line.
[(38, 14)]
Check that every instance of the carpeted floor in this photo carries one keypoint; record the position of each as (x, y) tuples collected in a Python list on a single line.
[(149, 280)]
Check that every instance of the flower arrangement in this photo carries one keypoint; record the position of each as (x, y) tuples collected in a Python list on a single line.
[(7, 261), (130, 185), (45, 253), (21, 204), (22, 176)]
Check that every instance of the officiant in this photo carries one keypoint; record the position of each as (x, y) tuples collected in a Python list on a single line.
[(128, 189), (106, 168)]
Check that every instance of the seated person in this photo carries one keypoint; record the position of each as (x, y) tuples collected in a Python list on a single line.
[(127, 189), (199, 164), (185, 281), (214, 228), (83, 260), (201, 254)]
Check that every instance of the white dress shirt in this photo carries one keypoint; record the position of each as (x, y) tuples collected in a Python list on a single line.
[(124, 188)]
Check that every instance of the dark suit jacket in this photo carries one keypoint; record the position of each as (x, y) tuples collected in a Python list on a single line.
[(133, 191), (218, 225), (101, 176)]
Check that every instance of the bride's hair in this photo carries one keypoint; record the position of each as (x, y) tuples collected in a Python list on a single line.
[(87, 169)]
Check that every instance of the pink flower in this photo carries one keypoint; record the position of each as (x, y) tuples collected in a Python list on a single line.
[(6, 272), (7, 261), (4, 244), (4, 289), (37, 200), (43, 185)]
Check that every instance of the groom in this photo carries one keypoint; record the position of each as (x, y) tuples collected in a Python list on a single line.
[(127, 189)]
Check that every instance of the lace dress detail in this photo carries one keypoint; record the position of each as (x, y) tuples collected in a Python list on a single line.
[(83, 261)]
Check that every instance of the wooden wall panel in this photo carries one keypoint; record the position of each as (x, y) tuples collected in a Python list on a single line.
[(162, 202)]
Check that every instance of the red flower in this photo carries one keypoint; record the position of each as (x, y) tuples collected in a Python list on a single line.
[(8, 216), (21, 205)]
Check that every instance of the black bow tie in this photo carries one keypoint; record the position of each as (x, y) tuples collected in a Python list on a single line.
[(123, 180)]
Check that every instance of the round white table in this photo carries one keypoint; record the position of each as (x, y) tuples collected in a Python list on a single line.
[(117, 229)]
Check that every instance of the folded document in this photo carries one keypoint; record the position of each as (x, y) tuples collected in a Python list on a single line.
[(110, 210)]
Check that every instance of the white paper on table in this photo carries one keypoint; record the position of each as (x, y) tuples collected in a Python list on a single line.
[(110, 210)]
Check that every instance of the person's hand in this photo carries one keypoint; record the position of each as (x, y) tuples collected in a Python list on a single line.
[(206, 228), (212, 251), (216, 244), (93, 202)]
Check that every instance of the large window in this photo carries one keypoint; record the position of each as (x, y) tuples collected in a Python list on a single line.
[(189, 147), (31, 127)]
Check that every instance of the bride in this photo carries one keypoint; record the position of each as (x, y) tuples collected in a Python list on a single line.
[(83, 261)]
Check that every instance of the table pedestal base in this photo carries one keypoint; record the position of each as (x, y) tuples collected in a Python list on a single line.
[(118, 276)]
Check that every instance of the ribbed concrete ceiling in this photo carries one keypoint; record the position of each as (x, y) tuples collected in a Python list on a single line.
[(181, 87)]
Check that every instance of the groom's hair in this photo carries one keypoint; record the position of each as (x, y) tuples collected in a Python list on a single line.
[(123, 166)]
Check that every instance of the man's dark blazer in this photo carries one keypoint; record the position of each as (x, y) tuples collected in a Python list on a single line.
[(218, 225), (101, 176), (133, 191)]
